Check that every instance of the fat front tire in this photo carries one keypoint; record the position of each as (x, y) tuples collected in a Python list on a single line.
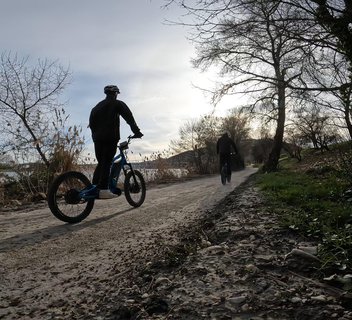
[(64, 200), (135, 189)]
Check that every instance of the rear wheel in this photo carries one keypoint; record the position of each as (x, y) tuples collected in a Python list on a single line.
[(64, 198), (134, 187), (223, 174)]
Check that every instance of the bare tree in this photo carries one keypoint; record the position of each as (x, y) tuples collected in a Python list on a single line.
[(188, 137), (262, 146), (251, 42), (330, 72), (335, 16), (29, 104), (293, 143), (200, 136), (314, 126), (237, 124)]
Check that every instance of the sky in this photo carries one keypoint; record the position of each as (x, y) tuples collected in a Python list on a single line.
[(122, 42)]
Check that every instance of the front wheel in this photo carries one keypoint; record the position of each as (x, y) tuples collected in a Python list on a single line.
[(134, 187), (64, 198)]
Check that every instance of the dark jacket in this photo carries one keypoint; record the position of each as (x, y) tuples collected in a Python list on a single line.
[(224, 145), (104, 119)]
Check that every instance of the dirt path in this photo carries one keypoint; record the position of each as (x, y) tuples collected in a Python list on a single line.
[(51, 270)]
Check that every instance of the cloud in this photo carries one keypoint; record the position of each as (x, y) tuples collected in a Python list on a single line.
[(113, 42)]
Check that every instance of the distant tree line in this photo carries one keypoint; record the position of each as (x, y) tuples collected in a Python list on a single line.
[(200, 136), (306, 129)]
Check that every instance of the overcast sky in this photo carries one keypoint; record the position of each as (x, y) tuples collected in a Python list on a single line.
[(122, 42)]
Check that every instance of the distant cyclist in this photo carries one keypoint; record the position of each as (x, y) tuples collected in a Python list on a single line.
[(223, 149), (104, 122)]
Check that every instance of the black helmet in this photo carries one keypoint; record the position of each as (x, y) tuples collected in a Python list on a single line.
[(111, 89)]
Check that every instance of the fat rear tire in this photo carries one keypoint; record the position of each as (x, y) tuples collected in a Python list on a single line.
[(223, 175), (63, 197)]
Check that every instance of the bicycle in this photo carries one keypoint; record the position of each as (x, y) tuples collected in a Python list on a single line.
[(71, 195)]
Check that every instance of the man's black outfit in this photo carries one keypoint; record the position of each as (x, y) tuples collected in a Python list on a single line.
[(104, 121), (223, 149)]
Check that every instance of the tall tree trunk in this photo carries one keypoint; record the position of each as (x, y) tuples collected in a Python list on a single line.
[(313, 138), (346, 94), (348, 121), (273, 160)]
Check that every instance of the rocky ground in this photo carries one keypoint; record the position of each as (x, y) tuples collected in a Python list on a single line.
[(236, 263)]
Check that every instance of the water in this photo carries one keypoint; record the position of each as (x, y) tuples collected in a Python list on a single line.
[(150, 174), (8, 176)]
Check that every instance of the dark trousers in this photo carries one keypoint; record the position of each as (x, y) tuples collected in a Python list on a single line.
[(104, 153), (225, 158)]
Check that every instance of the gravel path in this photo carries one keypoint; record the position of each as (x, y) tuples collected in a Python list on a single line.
[(51, 270)]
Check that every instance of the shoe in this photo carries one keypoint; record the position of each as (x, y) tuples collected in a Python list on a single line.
[(90, 192), (106, 194), (116, 191)]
